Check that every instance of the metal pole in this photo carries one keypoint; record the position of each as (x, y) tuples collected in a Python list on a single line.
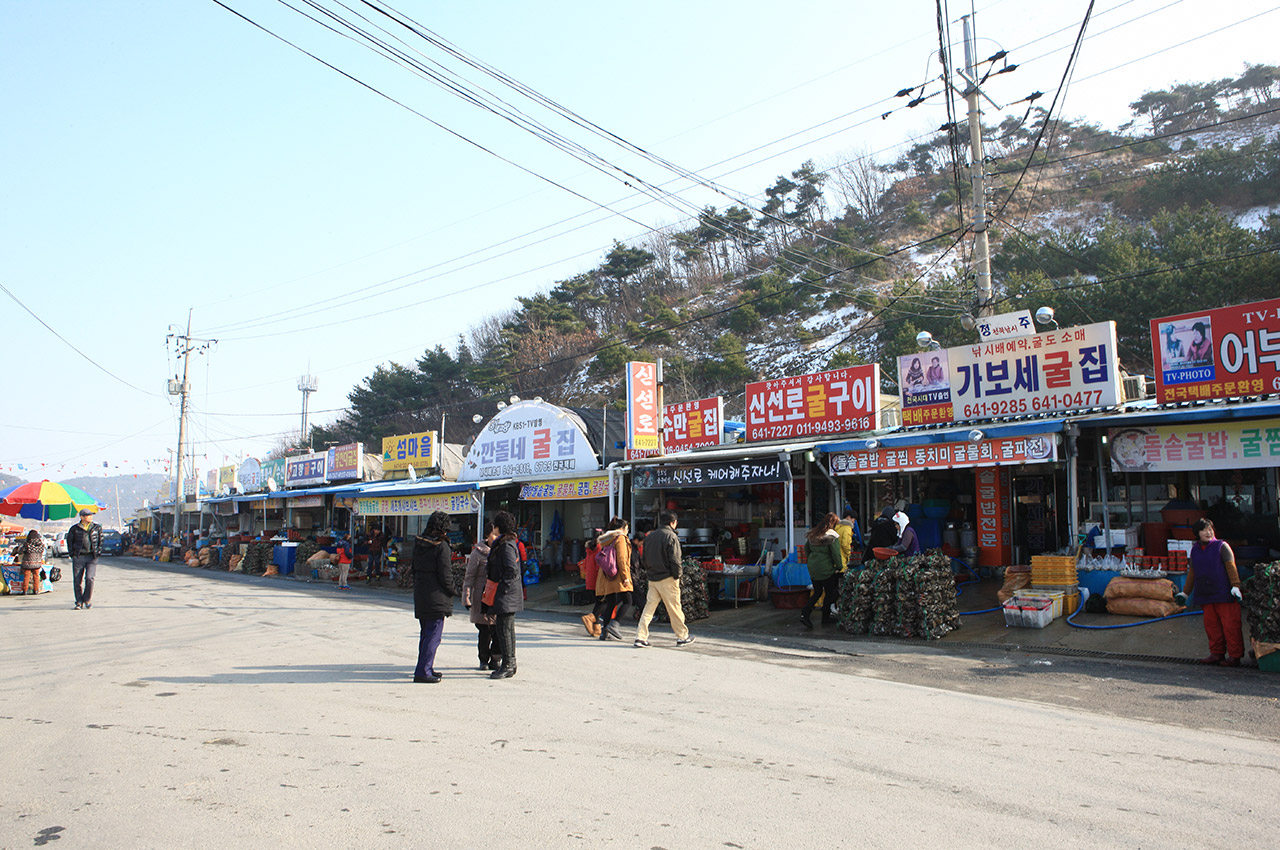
[(1102, 490), (662, 431), (184, 388), (1073, 487), (981, 244)]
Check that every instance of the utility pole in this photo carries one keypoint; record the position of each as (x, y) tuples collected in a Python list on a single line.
[(981, 244), (185, 345)]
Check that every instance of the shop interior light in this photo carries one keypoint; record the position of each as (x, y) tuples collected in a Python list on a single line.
[(514, 399), (873, 444), (976, 436), (809, 455), (502, 405), (538, 399), (477, 418)]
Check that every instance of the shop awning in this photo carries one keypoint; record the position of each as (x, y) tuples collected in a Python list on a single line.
[(738, 452), (406, 487), (951, 435), (1170, 416)]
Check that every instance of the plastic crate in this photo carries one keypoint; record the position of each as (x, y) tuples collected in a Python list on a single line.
[(1035, 595), (1024, 616)]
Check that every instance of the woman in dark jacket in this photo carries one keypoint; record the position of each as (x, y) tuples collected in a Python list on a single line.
[(504, 568), (433, 592)]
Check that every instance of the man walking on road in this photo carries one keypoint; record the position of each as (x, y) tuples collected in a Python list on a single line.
[(84, 545), (662, 564)]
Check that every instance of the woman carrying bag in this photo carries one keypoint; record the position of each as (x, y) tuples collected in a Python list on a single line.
[(614, 590), (473, 590), (825, 560), (504, 591), (433, 593), (32, 558)]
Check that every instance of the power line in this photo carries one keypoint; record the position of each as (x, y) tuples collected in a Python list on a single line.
[(68, 343)]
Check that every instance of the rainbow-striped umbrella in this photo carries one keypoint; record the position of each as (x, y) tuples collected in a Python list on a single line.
[(46, 500)]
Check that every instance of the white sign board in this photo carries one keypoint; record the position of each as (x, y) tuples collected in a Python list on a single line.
[(1071, 369), (1005, 326), (530, 438)]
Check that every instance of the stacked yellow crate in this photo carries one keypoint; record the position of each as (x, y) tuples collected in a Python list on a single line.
[(1057, 573)]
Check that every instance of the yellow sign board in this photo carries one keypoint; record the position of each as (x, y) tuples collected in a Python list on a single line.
[(450, 503), (404, 450), (590, 487)]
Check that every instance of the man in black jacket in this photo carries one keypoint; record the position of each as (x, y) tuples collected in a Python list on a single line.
[(84, 545), (662, 566)]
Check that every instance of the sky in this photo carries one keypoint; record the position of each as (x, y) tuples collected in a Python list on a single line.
[(167, 158)]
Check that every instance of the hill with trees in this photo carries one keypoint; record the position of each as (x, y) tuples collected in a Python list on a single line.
[(845, 263)]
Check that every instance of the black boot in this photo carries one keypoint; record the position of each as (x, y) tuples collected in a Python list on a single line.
[(507, 634)]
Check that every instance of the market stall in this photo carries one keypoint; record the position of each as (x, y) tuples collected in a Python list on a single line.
[(992, 496)]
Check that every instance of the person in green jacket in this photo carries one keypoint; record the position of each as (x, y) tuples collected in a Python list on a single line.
[(826, 560)]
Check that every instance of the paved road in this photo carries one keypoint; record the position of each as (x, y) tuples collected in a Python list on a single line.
[(194, 710)]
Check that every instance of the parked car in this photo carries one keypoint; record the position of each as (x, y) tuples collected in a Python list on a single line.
[(59, 549), (112, 542)]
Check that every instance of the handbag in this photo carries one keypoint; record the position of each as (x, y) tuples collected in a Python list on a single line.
[(55, 574), (490, 591)]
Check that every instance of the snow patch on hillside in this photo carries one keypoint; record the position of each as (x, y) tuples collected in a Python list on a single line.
[(1256, 218)]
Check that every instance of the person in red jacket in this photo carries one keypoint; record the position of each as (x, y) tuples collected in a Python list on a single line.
[(1212, 575), (587, 566)]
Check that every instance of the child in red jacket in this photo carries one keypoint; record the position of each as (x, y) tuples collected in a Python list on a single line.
[(587, 566)]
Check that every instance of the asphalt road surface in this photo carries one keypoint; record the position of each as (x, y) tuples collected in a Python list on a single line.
[(192, 709)]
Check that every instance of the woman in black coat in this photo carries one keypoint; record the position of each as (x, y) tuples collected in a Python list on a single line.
[(504, 568), (433, 592)]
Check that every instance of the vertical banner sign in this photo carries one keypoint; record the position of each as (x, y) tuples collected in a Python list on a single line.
[(642, 406), (995, 521), (1220, 353), (688, 425), (841, 401), (1054, 372)]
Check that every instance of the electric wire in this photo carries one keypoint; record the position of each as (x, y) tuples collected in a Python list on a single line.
[(70, 345)]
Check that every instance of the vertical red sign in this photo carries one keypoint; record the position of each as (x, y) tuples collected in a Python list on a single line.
[(995, 517), (642, 406)]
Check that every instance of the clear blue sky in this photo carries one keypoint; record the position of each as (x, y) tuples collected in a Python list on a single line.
[(164, 155)]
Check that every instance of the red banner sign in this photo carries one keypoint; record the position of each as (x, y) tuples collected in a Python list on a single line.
[(995, 517), (688, 425), (841, 401), (1040, 448), (642, 406), (1220, 353)]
